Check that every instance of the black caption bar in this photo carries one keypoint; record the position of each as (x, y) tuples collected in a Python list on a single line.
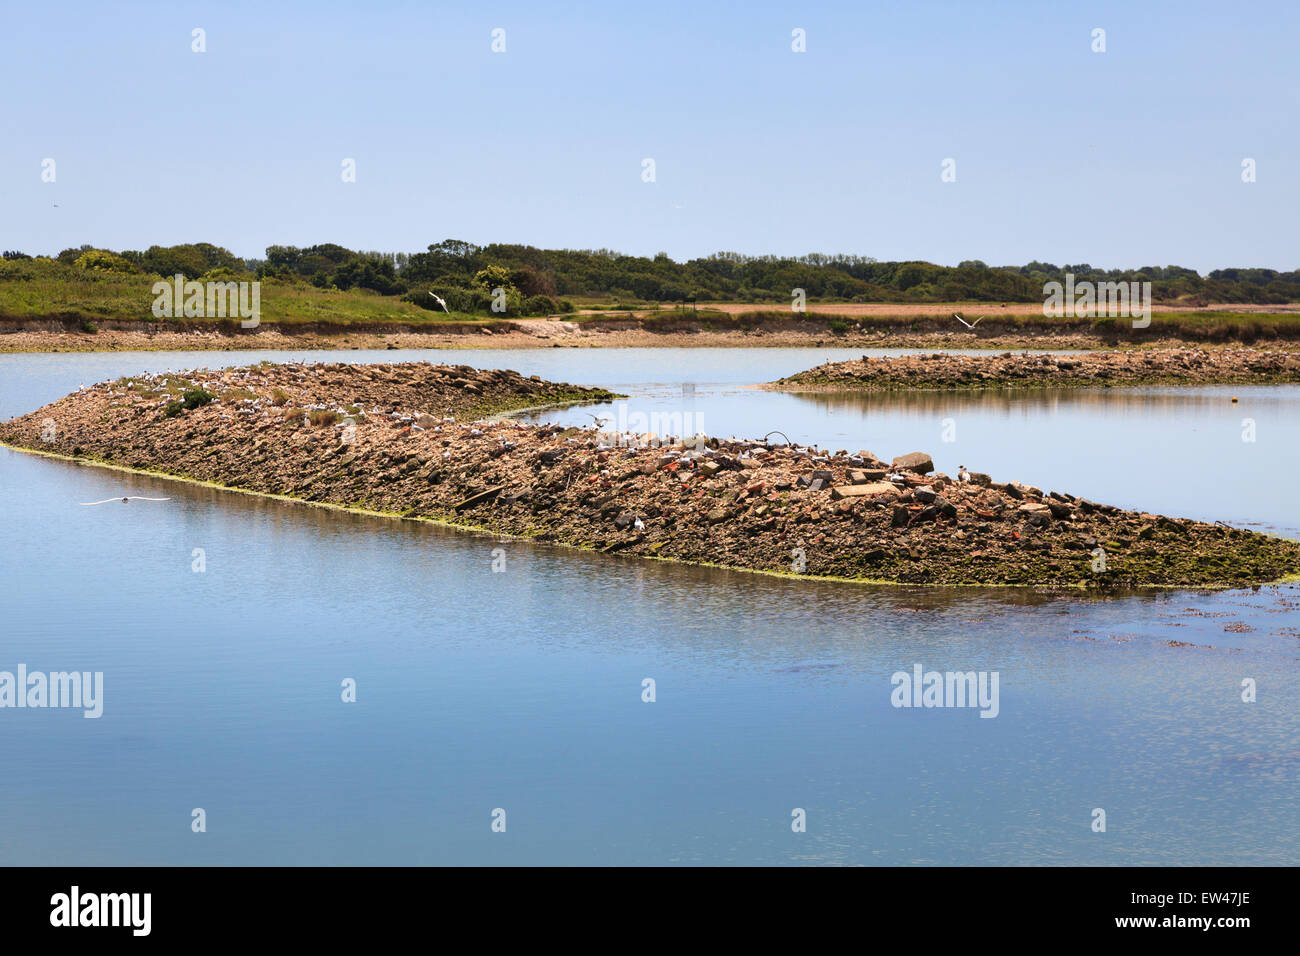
[(87, 906)]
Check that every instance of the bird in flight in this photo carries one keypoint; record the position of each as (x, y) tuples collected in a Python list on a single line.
[(599, 421), (123, 500), (969, 325), (442, 302)]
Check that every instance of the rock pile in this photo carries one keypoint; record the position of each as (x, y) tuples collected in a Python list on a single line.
[(1087, 369), (396, 439)]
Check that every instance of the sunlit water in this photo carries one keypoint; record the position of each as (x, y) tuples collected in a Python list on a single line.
[(522, 689)]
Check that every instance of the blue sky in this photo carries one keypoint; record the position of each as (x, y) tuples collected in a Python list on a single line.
[(1121, 159)]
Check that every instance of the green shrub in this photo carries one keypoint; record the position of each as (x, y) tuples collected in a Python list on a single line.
[(540, 305), (101, 260)]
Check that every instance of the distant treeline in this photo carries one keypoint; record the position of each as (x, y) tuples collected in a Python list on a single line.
[(538, 281)]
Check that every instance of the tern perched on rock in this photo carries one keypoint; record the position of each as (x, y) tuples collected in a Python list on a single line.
[(123, 500)]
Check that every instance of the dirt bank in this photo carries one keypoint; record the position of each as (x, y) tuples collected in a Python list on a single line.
[(383, 438), (1092, 369), (709, 328)]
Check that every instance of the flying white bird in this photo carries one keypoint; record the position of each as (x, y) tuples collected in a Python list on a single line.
[(442, 302), (969, 325), (599, 421), (123, 500)]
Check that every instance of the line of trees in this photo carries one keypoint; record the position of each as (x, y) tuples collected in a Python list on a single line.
[(467, 276)]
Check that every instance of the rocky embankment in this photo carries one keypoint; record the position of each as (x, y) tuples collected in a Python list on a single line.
[(401, 439), (1084, 369)]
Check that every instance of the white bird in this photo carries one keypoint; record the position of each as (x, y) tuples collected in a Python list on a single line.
[(962, 473), (599, 421), (969, 325), (441, 302), (638, 524), (123, 500)]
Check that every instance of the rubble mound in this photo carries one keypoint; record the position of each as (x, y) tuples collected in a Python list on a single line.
[(412, 440), (1026, 369)]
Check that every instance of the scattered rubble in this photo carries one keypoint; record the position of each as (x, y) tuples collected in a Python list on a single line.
[(1183, 366), (412, 440)]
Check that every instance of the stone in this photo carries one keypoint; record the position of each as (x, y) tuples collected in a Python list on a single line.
[(709, 467), (483, 497), (925, 494), (928, 513), (1013, 491), (860, 476), (870, 490), (1060, 509), (917, 461), (1034, 513)]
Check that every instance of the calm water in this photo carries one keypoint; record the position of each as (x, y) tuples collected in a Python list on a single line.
[(522, 689)]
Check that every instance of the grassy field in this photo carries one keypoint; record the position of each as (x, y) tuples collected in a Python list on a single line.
[(36, 290), (44, 290)]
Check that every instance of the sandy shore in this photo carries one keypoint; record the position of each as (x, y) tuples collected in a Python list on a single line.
[(540, 335)]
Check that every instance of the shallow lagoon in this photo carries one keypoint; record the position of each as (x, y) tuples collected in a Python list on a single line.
[(522, 689)]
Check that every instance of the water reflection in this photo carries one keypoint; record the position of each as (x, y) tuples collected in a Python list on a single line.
[(522, 688)]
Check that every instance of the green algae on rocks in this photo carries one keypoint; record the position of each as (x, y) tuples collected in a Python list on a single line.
[(413, 440)]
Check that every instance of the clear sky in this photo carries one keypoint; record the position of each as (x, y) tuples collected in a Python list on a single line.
[(1125, 158)]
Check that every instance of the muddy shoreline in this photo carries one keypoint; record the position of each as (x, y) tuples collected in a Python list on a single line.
[(412, 440), (725, 330)]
